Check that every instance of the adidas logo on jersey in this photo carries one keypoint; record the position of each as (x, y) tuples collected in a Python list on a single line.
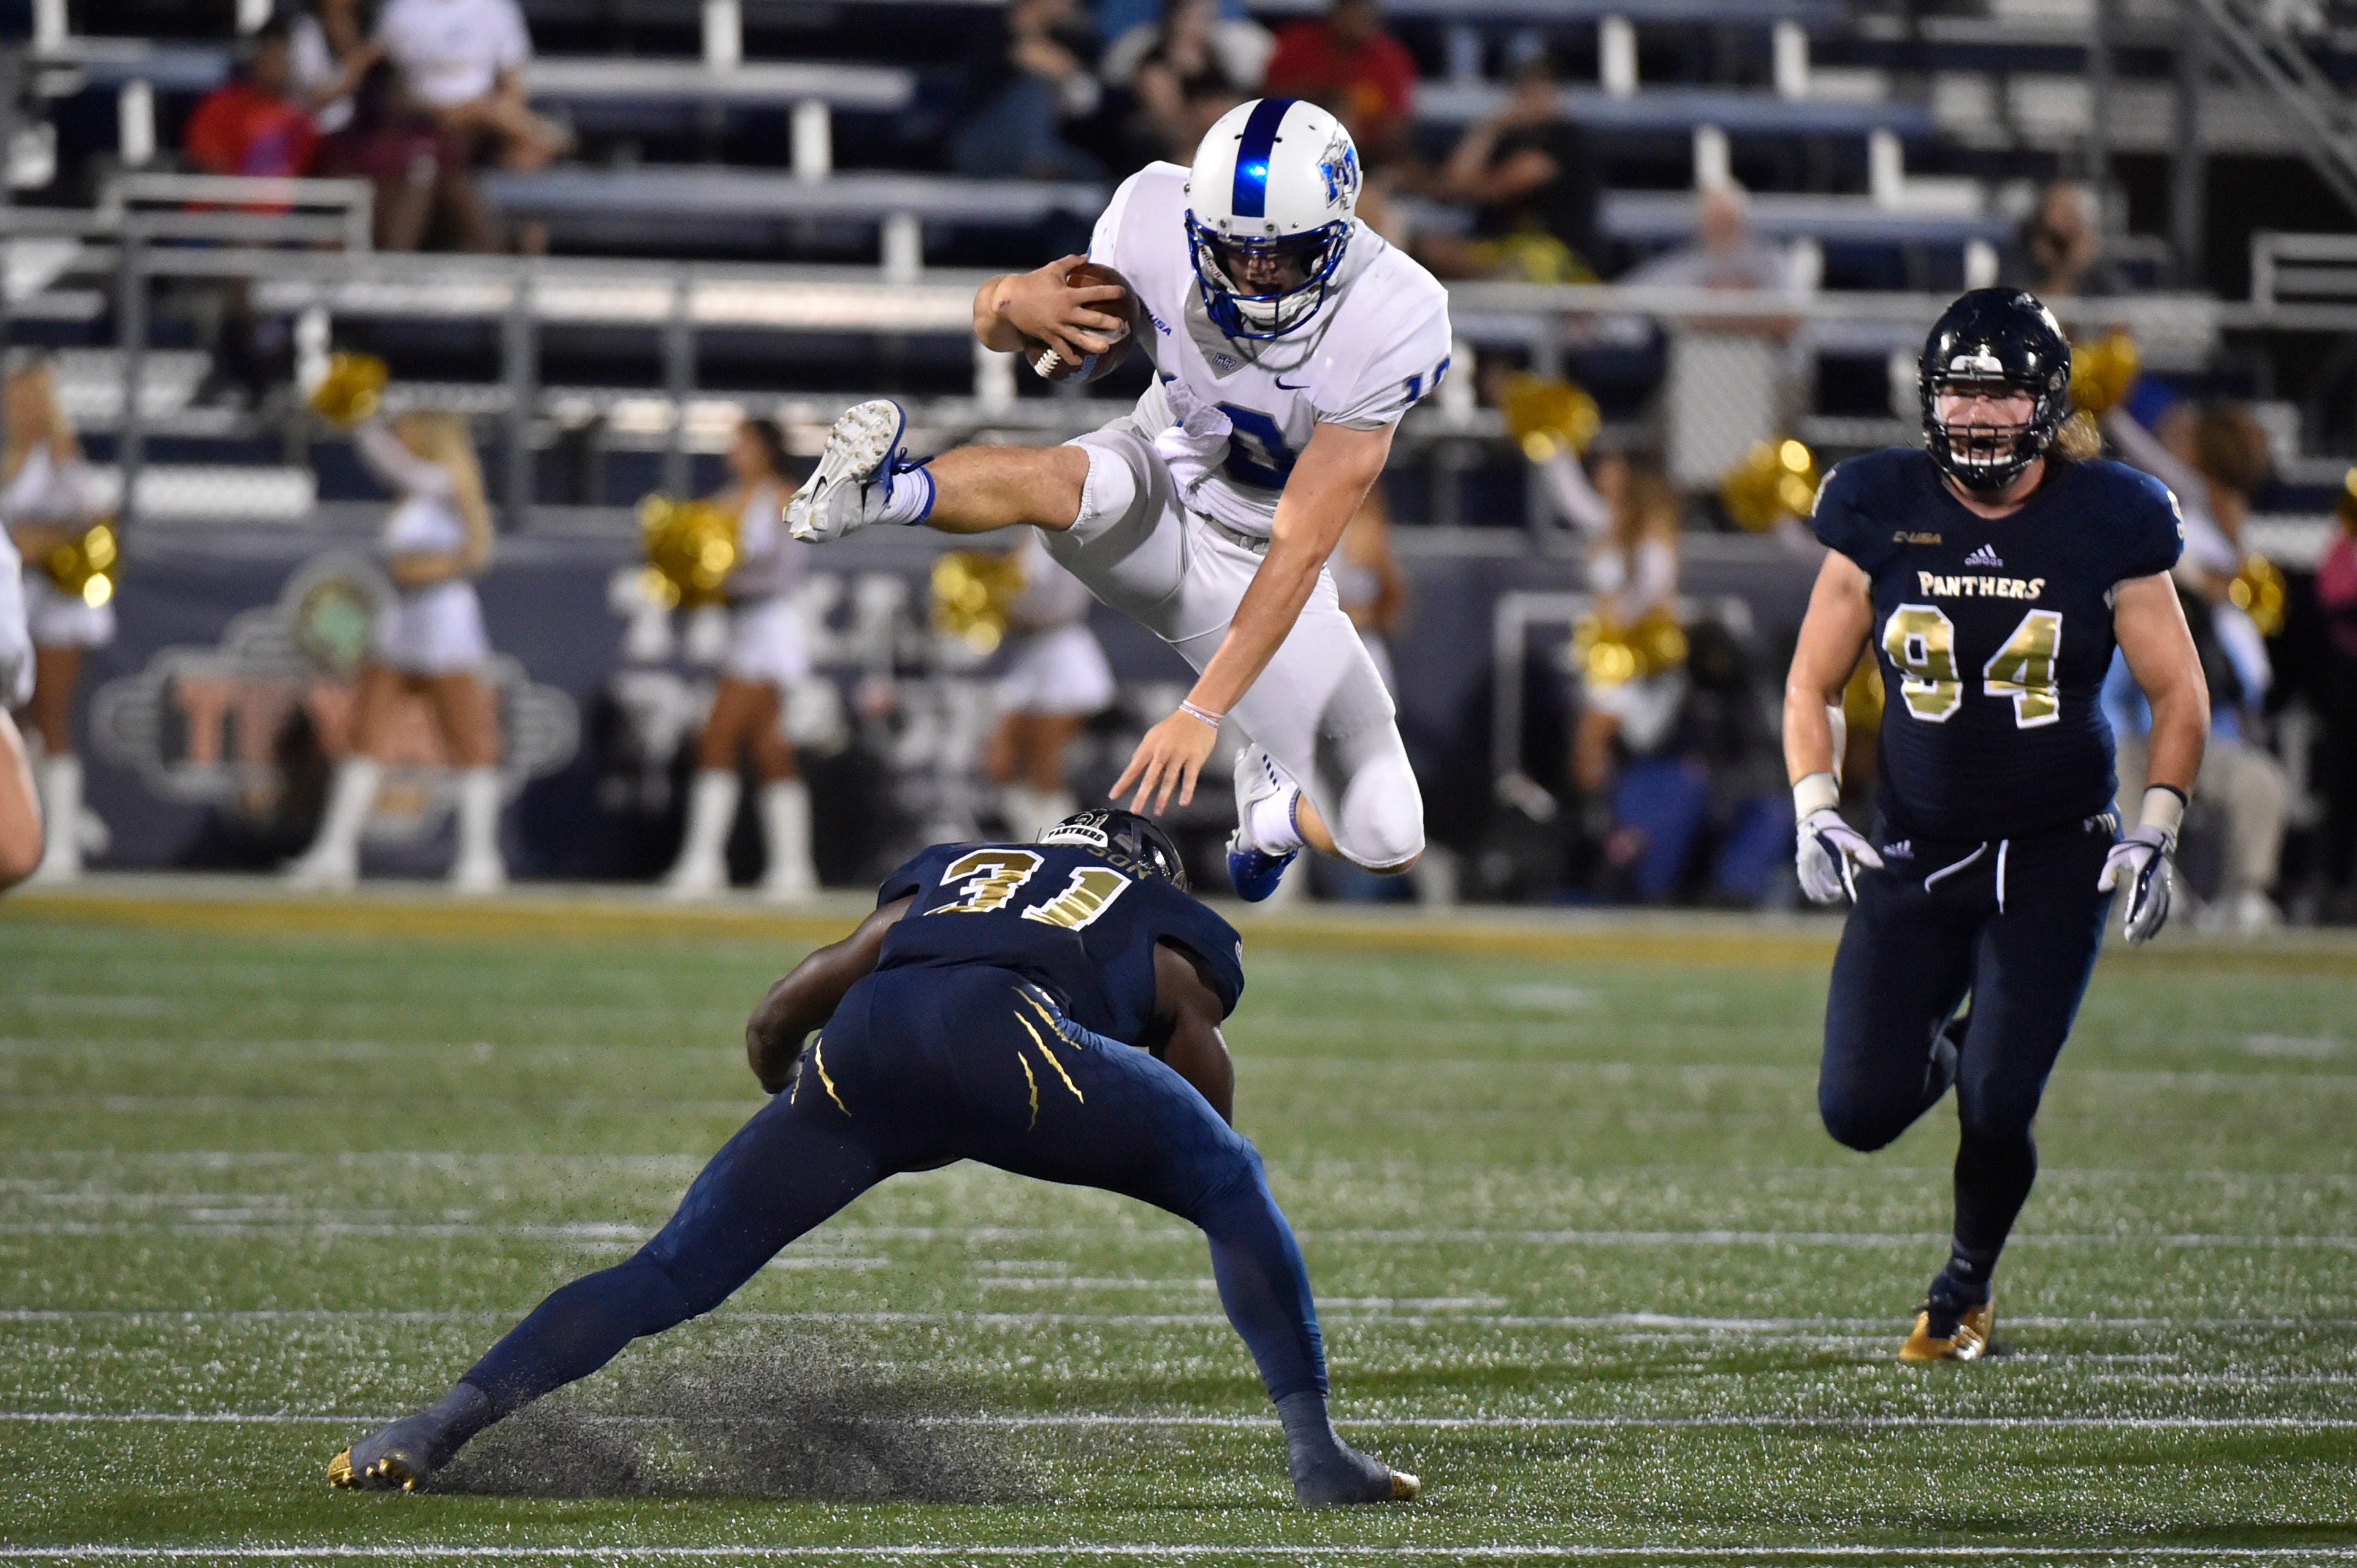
[(1985, 556)]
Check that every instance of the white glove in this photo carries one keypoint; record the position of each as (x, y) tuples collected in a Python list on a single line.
[(2142, 860), (1829, 850)]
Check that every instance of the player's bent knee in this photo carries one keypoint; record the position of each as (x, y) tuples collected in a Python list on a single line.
[(1109, 488), (1382, 825), (1859, 1122)]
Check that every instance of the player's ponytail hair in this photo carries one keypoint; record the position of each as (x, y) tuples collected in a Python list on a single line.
[(2077, 440)]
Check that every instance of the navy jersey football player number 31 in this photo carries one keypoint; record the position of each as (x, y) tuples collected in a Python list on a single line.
[(1991, 574)]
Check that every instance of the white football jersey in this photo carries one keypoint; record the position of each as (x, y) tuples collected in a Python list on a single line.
[(1375, 348)]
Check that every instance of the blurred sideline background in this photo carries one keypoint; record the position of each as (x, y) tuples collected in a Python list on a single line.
[(1697, 237)]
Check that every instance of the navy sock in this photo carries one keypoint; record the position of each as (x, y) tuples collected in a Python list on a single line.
[(579, 1328), (1994, 1176)]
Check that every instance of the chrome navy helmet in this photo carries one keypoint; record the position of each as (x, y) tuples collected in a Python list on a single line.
[(1269, 203), (1992, 338), (1128, 841)]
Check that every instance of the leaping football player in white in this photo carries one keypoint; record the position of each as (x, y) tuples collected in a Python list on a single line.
[(1288, 340)]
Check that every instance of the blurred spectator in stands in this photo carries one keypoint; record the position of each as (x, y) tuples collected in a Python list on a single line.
[(332, 51), (49, 498), (1185, 72), (2213, 458), (1724, 253), (423, 185), (1027, 76), (255, 124), (1730, 381), (766, 656), (1531, 178), (2058, 251), (2336, 751), (463, 60), (1346, 63)]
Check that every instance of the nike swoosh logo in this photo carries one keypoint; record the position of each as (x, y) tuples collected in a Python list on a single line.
[(1288, 386)]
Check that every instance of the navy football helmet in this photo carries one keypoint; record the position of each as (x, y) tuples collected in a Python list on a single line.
[(1131, 842), (1994, 338)]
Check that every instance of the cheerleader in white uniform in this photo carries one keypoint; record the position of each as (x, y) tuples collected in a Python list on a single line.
[(48, 494), (766, 657), (1056, 679), (430, 643), (1631, 512), (20, 805)]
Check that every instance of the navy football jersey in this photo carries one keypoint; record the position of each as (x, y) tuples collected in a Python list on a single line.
[(1060, 916), (1993, 635)]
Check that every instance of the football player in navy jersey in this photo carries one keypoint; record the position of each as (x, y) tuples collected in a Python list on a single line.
[(1053, 1009), (1992, 573)]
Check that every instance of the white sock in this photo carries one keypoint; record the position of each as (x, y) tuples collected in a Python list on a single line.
[(60, 814), (349, 797), (911, 499), (478, 816), (1274, 831), (711, 813), (786, 825)]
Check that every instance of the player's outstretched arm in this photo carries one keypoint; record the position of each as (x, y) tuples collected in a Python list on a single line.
[(1335, 471), (1185, 1033), (2149, 624), (20, 808), (1832, 634), (1038, 305), (807, 997)]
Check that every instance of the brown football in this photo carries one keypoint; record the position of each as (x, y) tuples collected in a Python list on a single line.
[(1050, 363)]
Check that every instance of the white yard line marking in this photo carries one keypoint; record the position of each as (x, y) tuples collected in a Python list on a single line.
[(1649, 1323), (1160, 1551), (265, 1224), (1092, 1420)]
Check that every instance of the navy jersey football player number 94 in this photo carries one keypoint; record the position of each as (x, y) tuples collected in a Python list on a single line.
[(1993, 635), (1061, 917)]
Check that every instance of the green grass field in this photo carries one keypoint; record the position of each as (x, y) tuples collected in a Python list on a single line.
[(272, 1171)]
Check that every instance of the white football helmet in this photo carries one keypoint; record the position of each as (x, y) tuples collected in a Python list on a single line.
[(1269, 202)]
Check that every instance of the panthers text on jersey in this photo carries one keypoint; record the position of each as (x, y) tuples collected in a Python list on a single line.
[(1993, 635), (1370, 353), (1061, 917)]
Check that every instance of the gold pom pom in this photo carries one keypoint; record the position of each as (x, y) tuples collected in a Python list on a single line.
[(973, 592), (1547, 414), (350, 391), (2103, 371), (84, 566), (691, 549), (1776, 480)]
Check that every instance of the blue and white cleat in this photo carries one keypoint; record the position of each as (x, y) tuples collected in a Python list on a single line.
[(857, 475), (1256, 871)]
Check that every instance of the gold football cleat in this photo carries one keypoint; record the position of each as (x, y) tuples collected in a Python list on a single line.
[(1406, 1488), (387, 1475), (1967, 1342), (340, 1471)]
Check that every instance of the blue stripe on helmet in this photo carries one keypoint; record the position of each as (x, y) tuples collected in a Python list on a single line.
[(1252, 154)]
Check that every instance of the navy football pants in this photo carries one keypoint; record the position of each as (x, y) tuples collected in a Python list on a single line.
[(917, 1068), (2015, 923)]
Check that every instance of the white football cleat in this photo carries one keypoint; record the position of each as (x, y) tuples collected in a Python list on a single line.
[(854, 482), (322, 871)]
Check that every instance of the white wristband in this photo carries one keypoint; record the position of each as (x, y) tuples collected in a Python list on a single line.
[(1817, 792), (2164, 808)]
